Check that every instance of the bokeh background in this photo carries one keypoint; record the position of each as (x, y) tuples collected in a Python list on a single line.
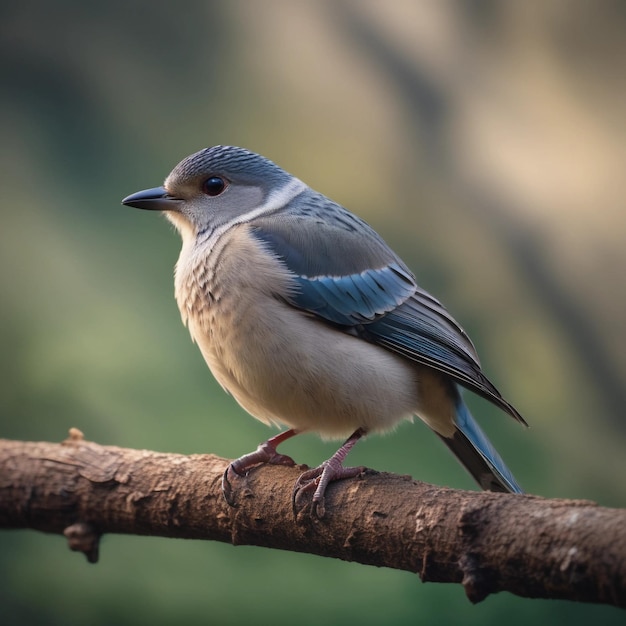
[(484, 140)]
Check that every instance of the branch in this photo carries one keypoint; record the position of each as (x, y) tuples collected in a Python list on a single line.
[(488, 542)]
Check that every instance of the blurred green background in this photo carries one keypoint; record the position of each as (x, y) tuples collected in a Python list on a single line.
[(484, 140)]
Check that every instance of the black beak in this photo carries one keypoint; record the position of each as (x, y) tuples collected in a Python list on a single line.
[(156, 199)]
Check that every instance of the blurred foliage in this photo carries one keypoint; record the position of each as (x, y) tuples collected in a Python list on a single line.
[(484, 140)]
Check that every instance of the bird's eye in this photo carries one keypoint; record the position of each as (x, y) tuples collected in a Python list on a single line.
[(214, 186)]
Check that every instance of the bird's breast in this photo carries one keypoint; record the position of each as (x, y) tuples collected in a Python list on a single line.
[(228, 297)]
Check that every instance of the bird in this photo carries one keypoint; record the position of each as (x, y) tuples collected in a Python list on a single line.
[(312, 323)]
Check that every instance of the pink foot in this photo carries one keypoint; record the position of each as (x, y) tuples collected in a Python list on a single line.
[(318, 478), (265, 453)]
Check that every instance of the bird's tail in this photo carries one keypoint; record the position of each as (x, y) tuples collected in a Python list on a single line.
[(478, 456)]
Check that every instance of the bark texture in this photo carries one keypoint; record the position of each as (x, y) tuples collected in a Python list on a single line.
[(488, 542)]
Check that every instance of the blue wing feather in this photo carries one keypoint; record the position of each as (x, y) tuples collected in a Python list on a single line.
[(354, 299)]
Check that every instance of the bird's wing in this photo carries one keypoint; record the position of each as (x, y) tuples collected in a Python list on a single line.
[(345, 274)]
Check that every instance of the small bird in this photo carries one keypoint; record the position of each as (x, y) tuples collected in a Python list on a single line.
[(309, 320)]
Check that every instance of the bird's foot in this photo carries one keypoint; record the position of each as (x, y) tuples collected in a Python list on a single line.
[(265, 453), (318, 478)]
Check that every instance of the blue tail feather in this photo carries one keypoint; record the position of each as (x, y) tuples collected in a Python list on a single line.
[(477, 454)]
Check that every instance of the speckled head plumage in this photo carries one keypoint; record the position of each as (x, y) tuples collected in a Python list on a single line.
[(218, 186), (241, 164)]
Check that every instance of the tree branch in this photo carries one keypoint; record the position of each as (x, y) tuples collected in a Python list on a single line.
[(488, 542)]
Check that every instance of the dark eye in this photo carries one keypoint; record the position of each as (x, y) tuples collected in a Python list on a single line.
[(214, 186)]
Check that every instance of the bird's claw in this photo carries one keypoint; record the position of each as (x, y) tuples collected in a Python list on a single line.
[(317, 480), (227, 488), (265, 453)]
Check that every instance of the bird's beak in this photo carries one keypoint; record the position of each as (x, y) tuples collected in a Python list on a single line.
[(156, 199)]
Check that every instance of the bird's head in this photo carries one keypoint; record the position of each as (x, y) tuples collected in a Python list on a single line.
[(215, 187)]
